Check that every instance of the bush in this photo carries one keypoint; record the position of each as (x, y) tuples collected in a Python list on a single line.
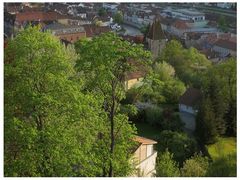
[(197, 166), (166, 166), (223, 167), (182, 146), (153, 115)]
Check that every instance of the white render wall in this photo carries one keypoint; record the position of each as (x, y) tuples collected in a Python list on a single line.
[(149, 150), (147, 166), (184, 108)]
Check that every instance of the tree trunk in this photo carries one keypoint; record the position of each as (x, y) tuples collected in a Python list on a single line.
[(112, 113)]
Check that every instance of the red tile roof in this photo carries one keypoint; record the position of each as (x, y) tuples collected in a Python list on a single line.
[(38, 15), (92, 30), (226, 44), (180, 24)]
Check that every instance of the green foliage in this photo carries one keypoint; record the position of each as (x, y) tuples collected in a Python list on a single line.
[(118, 17), (225, 166), (196, 166), (189, 64), (160, 86), (153, 115), (145, 29), (205, 123), (222, 23), (166, 166), (102, 12), (224, 157), (219, 87), (165, 118), (103, 62), (49, 125), (179, 144)]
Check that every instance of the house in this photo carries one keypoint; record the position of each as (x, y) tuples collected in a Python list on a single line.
[(24, 18), (133, 79), (225, 47), (188, 102), (93, 30), (145, 157), (66, 32)]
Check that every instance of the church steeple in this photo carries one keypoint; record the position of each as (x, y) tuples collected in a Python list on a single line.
[(155, 31), (155, 38)]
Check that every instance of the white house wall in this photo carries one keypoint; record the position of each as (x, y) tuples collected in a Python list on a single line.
[(147, 166), (184, 108)]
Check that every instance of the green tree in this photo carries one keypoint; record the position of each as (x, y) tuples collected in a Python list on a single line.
[(118, 17), (103, 62), (166, 166), (50, 127), (223, 167), (196, 166), (102, 12), (179, 144), (161, 87), (206, 129), (222, 23), (164, 71), (189, 64), (219, 84)]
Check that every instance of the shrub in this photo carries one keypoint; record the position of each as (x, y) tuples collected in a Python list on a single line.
[(182, 146), (166, 166), (196, 166)]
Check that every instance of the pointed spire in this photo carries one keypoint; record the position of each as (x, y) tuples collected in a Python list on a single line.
[(155, 31)]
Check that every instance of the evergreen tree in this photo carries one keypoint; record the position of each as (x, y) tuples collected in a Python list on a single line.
[(205, 123)]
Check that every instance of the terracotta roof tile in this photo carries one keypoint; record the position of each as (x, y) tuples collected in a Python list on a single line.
[(38, 15), (226, 44), (143, 140)]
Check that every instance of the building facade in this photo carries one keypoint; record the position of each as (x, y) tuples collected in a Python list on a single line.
[(145, 157)]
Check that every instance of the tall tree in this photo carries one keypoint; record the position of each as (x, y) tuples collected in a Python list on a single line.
[(182, 146), (104, 62), (50, 127), (219, 84), (188, 63), (206, 128), (118, 17)]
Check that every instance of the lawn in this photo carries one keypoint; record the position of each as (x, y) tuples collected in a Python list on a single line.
[(224, 155), (224, 147)]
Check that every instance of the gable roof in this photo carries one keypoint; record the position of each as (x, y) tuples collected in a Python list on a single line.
[(92, 30), (38, 15), (190, 97), (143, 140), (179, 24), (226, 44)]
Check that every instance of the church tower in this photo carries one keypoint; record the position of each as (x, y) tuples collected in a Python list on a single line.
[(155, 38)]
